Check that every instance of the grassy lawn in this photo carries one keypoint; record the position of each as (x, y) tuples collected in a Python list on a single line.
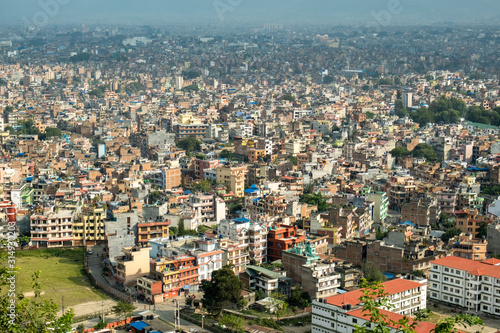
[(62, 274)]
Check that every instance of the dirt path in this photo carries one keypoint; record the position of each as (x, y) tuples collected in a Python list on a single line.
[(91, 308)]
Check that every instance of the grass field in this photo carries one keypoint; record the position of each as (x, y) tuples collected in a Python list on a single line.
[(62, 274)]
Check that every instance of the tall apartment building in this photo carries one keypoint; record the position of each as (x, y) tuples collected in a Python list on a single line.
[(252, 237), (380, 206), (88, 227), (210, 208), (234, 177), (54, 229), (467, 283), (234, 255)]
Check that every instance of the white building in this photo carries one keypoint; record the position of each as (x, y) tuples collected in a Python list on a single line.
[(327, 318), (209, 259), (251, 236), (299, 113), (467, 283)]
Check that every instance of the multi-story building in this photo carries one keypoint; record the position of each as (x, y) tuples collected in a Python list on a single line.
[(380, 206), (269, 204), (405, 296), (251, 236), (280, 239), (234, 255), (53, 229), (178, 273), (422, 211), (201, 165), (133, 264), (150, 230), (318, 278), (400, 191), (259, 278), (467, 283), (185, 130), (88, 226), (470, 221), (233, 177), (208, 257), (446, 201), (210, 208), (466, 247)]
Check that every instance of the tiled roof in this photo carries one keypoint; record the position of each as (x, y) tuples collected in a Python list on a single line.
[(471, 266)]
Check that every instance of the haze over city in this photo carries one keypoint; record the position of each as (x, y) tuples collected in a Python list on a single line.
[(356, 12)]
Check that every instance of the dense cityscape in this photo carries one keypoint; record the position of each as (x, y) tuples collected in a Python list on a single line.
[(262, 179)]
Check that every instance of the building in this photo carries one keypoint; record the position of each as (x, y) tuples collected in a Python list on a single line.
[(259, 278), (470, 221), (467, 283), (88, 227), (233, 177), (166, 178), (405, 296), (380, 206), (327, 318), (150, 230), (422, 211), (54, 229), (234, 255), (282, 238), (318, 278), (210, 208), (178, 273), (186, 130), (466, 247), (133, 264)]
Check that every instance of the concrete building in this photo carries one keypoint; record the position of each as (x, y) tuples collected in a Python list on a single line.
[(466, 247), (88, 227), (133, 264), (422, 211), (281, 238), (54, 229), (467, 283), (233, 177), (151, 230), (380, 206), (258, 278)]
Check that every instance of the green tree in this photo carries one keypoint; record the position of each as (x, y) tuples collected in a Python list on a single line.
[(123, 309), (52, 132), (191, 88), (373, 299), (32, 314), (483, 230), (226, 154), (399, 152), (9, 109), (288, 97), (447, 325), (259, 294), (280, 304), (100, 325), (293, 159), (203, 185), (80, 328), (372, 273), (328, 79), (426, 151), (235, 323), (450, 233), (189, 144), (190, 74), (299, 297), (223, 289), (181, 228), (315, 199), (399, 109)]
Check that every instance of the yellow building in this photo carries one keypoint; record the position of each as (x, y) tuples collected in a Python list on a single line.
[(233, 177), (134, 264), (88, 227)]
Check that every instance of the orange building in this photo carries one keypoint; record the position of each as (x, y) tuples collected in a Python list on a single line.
[(149, 230), (281, 238)]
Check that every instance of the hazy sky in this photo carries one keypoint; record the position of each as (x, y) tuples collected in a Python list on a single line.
[(382, 12)]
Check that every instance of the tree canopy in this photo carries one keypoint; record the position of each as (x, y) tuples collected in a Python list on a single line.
[(189, 144), (223, 289), (442, 110), (315, 199)]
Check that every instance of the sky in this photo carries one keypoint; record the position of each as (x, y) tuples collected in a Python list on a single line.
[(334, 12)]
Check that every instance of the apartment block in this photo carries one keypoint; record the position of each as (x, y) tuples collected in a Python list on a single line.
[(467, 283), (150, 230), (133, 264), (88, 227), (53, 229)]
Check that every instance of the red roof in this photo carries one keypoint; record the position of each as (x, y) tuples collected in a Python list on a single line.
[(390, 287), (471, 266), (492, 261), (421, 327)]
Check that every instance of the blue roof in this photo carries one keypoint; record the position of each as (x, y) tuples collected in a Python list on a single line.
[(390, 275), (475, 168), (241, 219), (188, 192), (407, 223), (139, 325), (29, 179), (20, 154)]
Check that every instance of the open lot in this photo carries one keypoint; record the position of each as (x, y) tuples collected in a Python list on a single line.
[(62, 274)]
